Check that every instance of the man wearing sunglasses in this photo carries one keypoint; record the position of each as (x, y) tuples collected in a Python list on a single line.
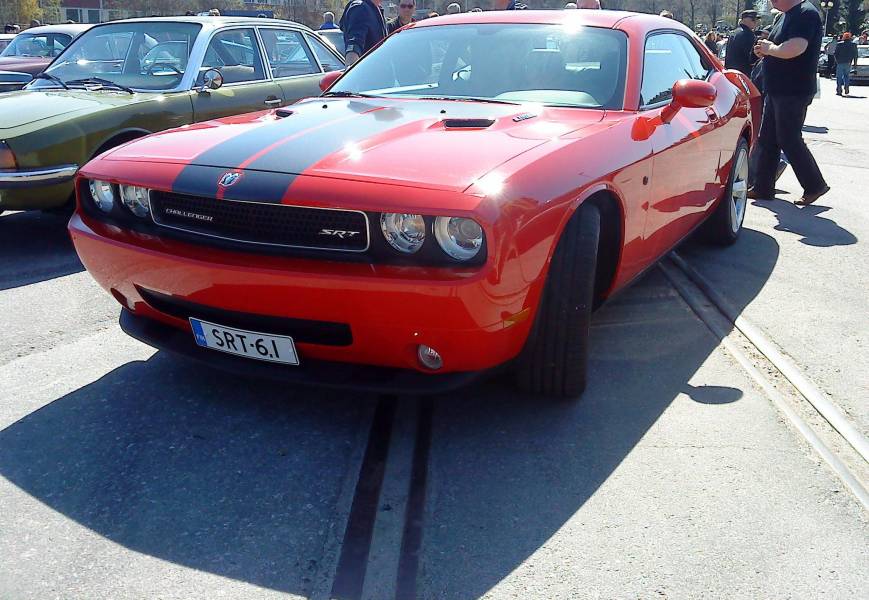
[(405, 16), (740, 46)]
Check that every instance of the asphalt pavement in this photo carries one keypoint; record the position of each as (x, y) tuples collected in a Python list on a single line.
[(127, 473)]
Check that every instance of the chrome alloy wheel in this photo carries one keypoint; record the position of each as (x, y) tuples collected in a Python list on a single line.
[(739, 190)]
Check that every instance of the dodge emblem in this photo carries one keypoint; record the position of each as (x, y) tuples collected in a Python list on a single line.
[(228, 179)]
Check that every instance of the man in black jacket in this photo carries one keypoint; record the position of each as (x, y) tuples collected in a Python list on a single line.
[(740, 46), (846, 55), (363, 27)]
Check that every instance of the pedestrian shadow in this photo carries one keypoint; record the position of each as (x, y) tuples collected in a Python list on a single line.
[(806, 222), (35, 246), (815, 129)]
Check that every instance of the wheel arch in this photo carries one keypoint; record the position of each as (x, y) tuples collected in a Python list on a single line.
[(120, 137)]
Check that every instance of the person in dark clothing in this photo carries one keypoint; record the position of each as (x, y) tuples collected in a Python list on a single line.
[(711, 42), (846, 56), (740, 46), (790, 64), (363, 27), (405, 16)]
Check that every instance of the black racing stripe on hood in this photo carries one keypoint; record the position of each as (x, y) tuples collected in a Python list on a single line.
[(254, 186), (307, 150), (237, 150)]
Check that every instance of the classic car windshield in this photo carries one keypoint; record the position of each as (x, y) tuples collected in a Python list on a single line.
[(142, 56), (547, 64), (42, 45)]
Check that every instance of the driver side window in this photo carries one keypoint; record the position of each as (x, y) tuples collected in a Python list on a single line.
[(235, 53), (666, 60)]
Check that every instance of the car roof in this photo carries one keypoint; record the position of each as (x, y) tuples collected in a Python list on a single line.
[(611, 19), (70, 28), (215, 22)]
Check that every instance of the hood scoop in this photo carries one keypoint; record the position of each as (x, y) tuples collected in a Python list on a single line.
[(283, 113), (468, 123)]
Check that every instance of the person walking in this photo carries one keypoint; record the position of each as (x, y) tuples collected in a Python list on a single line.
[(328, 21), (846, 56), (740, 46), (790, 64), (363, 27), (711, 42), (405, 16), (830, 51)]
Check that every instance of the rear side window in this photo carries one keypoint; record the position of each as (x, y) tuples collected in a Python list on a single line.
[(287, 53), (329, 61), (235, 53), (668, 57)]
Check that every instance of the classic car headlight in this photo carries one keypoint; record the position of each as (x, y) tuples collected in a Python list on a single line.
[(103, 195), (405, 233), (7, 159), (136, 199), (459, 237)]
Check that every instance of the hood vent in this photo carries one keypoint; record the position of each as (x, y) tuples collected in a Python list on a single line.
[(468, 123), (283, 113)]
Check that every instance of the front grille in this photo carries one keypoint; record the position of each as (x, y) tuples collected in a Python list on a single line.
[(261, 223), (325, 333)]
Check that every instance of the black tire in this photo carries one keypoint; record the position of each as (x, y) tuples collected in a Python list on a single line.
[(725, 223), (554, 361)]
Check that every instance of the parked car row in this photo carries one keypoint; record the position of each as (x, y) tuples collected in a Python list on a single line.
[(456, 202)]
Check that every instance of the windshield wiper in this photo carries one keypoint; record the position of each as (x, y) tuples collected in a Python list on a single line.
[(467, 99), (102, 82), (50, 77), (346, 95)]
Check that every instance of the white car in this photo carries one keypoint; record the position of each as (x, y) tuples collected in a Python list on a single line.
[(862, 72)]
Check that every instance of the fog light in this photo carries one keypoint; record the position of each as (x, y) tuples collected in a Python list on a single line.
[(429, 357)]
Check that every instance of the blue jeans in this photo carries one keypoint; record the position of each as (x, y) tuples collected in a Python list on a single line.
[(843, 76)]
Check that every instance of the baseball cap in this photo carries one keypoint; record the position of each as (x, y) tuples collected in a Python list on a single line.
[(748, 14)]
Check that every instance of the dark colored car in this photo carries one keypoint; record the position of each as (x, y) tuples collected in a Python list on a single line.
[(34, 49)]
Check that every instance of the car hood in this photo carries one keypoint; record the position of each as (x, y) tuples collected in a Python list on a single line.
[(443, 145), (24, 64), (29, 106)]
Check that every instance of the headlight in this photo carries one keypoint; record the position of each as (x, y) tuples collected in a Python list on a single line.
[(459, 237), (405, 233), (103, 195), (136, 199), (7, 159)]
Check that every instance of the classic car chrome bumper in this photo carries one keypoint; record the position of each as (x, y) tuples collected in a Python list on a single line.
[(36, 177)]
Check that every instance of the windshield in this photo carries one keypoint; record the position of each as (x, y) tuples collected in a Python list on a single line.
[(863, 51), (547, 64), (40, 45), (142, 56)]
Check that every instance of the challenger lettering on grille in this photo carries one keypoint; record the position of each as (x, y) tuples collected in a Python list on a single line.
[(188, 215)]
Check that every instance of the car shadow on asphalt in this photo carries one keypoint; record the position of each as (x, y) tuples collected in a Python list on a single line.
[(240, 479), (807, 222), (35, 246), (192, 466)]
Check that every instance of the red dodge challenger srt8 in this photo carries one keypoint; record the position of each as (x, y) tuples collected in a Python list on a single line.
[(459, 200)]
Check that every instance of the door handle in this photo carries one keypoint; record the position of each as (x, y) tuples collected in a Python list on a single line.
[(273, 101)]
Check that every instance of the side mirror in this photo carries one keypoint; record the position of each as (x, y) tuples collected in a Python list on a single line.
[(689, 93), (212, 79), (328, 79)]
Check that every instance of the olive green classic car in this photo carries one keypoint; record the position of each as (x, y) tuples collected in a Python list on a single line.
[(122, 80)]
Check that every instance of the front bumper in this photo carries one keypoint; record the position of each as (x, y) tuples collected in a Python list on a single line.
[(29, 178), (389, 310), (315, 373), (31, 189)]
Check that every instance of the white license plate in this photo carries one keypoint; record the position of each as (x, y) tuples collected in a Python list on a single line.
[(252, 344)]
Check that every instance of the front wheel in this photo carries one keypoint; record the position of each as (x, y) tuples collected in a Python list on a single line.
[(554, 361), (724, 225)]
